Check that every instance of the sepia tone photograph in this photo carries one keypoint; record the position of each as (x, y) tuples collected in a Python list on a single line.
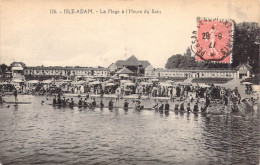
[(129, 82)]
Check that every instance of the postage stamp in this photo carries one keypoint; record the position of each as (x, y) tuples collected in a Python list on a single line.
[(214, 40)]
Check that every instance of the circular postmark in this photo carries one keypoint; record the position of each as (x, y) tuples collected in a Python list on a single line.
[(213, 40)]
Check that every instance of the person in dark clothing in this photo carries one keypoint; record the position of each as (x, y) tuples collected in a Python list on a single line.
[(80, 103), (167, 106), (225, 100), (87, 96), (1, 99), (126, 105), (54, 101), (102, 93), (137, 105), (182, 106), (207, 101), (59, 95), (101, 104), (63, 101), (178, 91), (71, 102), (110, 104), (85, 103), (59, 101), (176, 108), (94, 103), (15, 93), (196, 108)]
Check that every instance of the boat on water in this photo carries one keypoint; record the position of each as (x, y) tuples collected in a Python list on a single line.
[(18, 102)]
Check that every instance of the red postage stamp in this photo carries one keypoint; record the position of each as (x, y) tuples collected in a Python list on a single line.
[(214, 40)]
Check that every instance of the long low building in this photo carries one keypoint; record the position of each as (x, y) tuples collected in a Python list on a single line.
[(240, 72), (21, 71)]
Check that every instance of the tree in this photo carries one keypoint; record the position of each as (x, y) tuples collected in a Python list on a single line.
[(4, 68), (246, 45), (174, 62)]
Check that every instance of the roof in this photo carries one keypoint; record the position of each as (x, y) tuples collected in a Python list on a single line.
[(245, 65), (120, 63), (14, 64), (124, 71), (145, 63), (133, 61)]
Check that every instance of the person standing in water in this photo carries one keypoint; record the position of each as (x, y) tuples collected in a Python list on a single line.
[(167, 106), (15, 93), (188, 108), (161, 105), (1, 99), (71, 104), (126, 105), (182, 106), (110, 104), (196, 108), (80, 103), (94, 103), (101, 104), (54, 100)]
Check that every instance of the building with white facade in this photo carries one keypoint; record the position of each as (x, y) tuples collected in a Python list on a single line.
[(21, 71), (240, 72)]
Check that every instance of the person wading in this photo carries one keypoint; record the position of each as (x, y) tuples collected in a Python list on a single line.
[(126, 105), (167, 106), (15, 93), (110, 104)]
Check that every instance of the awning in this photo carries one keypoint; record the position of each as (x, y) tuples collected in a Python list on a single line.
[(204, 85), (33, 82), (17, 80), (47, 81), (17, 68), (91, 79), (110, 84), (95, 83), (123, 75), (153, 80), (246, 83)]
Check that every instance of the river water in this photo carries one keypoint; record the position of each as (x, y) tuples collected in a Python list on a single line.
[(43, 134)]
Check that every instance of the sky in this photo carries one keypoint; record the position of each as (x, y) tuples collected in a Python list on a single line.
[(31, 34)]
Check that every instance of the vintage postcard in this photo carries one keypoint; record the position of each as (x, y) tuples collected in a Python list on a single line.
[(137, 82)]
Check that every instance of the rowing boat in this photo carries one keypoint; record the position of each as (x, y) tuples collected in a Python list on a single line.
[(12, 102)]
